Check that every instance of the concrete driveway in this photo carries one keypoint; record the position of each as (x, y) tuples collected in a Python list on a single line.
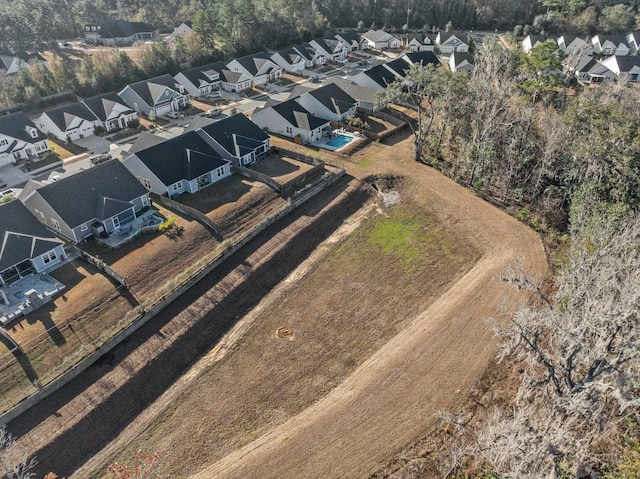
[(95, 144)]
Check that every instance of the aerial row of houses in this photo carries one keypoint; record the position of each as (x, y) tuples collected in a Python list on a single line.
[(621, 52)]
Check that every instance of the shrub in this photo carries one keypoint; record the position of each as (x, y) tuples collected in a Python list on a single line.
[(167, 225)]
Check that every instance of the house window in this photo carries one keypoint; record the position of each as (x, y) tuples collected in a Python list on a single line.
[(41, 147), (116, 222), (220, 171), (16, 155), (176, 186), (289, 130), (49, 257), (135, 107), (43, 218), (33, 132), (55, 224), (145, 182), (3, 142), (145, 201)]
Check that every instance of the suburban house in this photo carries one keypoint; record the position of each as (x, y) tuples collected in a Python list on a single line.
[(330, 48), (419, 42), (119, 32), (380, 40), (160, 95), (531, 41), (20, 139), (329, 102), (448, 43), (421, 58), (570, 43), (95, 201), (237, 139), (350, 39), (312, 57), (234, 81), (589, 70), (366, 97), (633, 40), (461, 62), (289, 118), (68, 122), (290, 60), (111, 112), (182, 30), (610, 45), (398, 66), (624, 66), (12, 61), (185, 164), (26, 247), (378, 77), (201, 80), (259, 68)]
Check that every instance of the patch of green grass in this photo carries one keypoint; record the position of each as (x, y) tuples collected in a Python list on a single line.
[(403, 235)]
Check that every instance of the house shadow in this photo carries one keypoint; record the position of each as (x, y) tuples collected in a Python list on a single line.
[(398, 137), (275, 166), (209, 199), (43, 315)]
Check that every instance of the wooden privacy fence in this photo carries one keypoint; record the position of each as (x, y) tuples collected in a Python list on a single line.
[(187, 210), (98, 263)]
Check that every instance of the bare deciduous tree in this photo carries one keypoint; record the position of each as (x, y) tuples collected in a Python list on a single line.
[(14, 460)]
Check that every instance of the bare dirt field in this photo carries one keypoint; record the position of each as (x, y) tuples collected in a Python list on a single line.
[(281, 168), (371, 344)]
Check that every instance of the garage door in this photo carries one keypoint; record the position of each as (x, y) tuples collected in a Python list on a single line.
[(163, 109)]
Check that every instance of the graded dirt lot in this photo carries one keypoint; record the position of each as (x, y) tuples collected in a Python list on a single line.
[(403, 342)]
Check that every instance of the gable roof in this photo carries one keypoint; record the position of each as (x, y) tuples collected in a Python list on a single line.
[(377, 36), (22, 236), (236, 130), (291, 56), (63, 116), (349, 36), (197, 75), (102, 105), (185, 157), (125, 29), (334, 98), (617, 40), (7, 57), (420, 38), (97, 192), (152, 89), (634, 37), (306, 51), (381, 75), (461, 57), (535, 39), (359, 93), (146, 140), (622, 63), (253, 63), (328, 43), (298, 116), (399, 66), (15, 125), (422, 58)]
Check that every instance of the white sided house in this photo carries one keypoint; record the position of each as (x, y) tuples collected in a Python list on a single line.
[(13, 61), (531, 41), (312, 57), (461, 62), (69, 122), (292, 120), (120, 32), (26, 246), (378, 77), (289, 60), (381, 40), (20, 139), (418, 42), (448, 43), (624, 66), (160, 95), (610, 45), (350, 39), (330, 48), (96, 201), (633, 40), (570, 44), (201, 80), (590, 70), (259, 68), (329, 102), (185, 164), (111, 112), (182, 30)]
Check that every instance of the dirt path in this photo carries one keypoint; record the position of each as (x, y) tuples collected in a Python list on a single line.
[(393, 397)]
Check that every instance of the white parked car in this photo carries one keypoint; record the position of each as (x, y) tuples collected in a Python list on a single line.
[(173, 114), (213, 112)]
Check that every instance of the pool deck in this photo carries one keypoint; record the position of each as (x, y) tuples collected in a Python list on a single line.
[(324, 141), (41, 287)]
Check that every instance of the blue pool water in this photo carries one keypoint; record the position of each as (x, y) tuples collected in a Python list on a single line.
[(339, 141)]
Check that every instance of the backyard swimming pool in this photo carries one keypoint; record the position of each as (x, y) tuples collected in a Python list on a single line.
[(339, 141)]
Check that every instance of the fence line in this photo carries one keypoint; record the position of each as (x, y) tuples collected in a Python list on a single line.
[(98, 263), (187, 210), (127, 326), (256, 175)]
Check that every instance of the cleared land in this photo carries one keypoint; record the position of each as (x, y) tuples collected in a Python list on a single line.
[(423, 352)]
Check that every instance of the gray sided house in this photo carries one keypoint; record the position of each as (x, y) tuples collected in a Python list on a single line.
[(330, 48), (292, 120), (421, 58), (329, 102), (68, 122), (120, 32), (378, 77), (366, 97), (185, 164), (20, 139), (290, 60), (311, 55), (237, 139), (201, 80), (111, 111), (461, 62), (13, 61), (161, 95), (26, 247), (96, 201), (258, 67)]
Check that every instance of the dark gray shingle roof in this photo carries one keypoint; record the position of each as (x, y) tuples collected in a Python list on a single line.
[(63, 116), (125, 29), (151, 90), (102, 105), (333, 97), (248, 135), (22, 236), (15, 126)]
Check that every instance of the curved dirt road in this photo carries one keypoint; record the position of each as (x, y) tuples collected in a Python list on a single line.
[(393, 397)]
